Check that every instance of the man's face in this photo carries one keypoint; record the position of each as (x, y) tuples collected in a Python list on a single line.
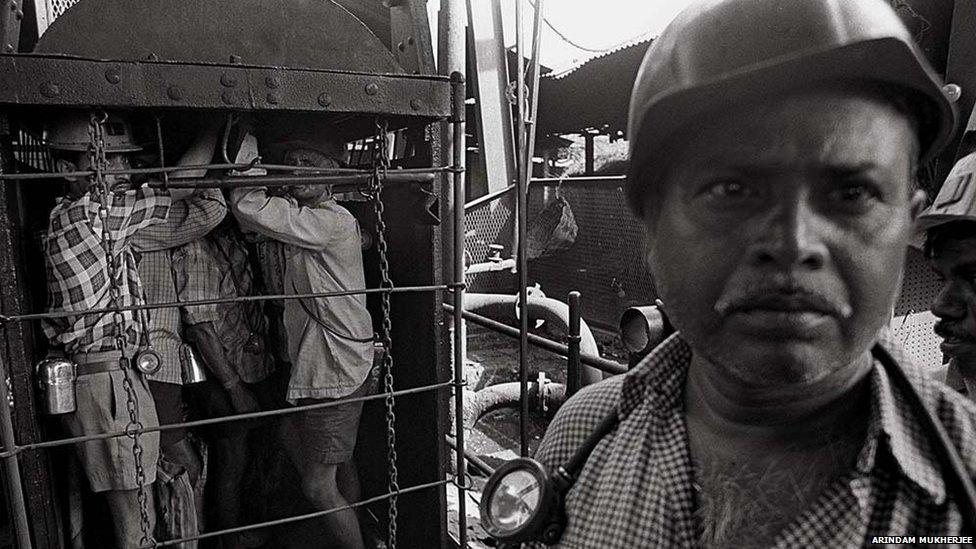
[(309, 193), (116, 161), (955, 262), (779, 235)]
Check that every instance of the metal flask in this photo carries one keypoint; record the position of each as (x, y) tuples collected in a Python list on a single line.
[(56, 379), (190, 367)]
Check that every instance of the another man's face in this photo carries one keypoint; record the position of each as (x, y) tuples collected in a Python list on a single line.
[(779, 236), (955, 262), (309, 193), (115, 161)]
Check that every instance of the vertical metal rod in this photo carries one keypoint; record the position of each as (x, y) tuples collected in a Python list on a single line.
[(573, 345), (452, 20), (533, 107), (457, 80), (523, 263), (589, 162), (12, 465)]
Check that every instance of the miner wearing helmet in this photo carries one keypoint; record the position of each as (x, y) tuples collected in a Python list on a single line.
[(79, 280), (950, 245), (330, 339), (773, 147)]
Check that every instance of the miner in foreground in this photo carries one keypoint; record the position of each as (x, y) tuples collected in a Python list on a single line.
[(774, 145)]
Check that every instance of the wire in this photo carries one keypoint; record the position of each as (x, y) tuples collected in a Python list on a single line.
[(569, 41)]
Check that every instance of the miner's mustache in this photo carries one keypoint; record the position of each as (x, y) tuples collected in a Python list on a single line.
[(786, 295)]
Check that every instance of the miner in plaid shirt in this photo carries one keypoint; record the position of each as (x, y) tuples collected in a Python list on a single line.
[(78, 280), (774, 147)]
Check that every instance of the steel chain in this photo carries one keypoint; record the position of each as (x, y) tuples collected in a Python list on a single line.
[(99, 163), (381, 163)]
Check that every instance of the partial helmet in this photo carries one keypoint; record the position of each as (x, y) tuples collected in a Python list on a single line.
[(278, 137), (957, 197), (70, 133), (720, 53)]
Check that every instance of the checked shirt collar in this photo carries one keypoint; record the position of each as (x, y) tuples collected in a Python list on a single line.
[(654, 389)]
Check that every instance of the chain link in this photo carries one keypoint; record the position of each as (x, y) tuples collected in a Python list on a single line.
[(381, 163), (99, 163)]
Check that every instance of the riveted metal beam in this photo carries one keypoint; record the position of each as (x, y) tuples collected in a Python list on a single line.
[(73, 82), (11, 14)]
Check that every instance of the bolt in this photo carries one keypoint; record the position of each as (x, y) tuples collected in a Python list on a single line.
[(175, 93), (272, 98), (235, 59), (152, 57), (272, 82), (9, 48), (401, 46), (19, 14), (113, 75), (410, 40), (952, 91), (415, 104), (228, 97), (50, 90), (228, 80), (325, 100), (13, 6), (372, 89)]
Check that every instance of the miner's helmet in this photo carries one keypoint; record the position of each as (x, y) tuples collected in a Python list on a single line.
[(720, 53), (956, 200), (71, 133)]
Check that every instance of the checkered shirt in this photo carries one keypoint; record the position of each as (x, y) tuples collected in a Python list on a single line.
[(635, 490), (77, 268), (188, 220)]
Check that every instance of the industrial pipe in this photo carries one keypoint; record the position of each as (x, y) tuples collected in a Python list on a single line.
[(506, 395), (642, 329), (503, 307), (598, 362)]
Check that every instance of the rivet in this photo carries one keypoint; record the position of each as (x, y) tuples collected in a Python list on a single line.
[(228, 80), (175, 93), (415, 104), (325, 100), (152, 57), (410, 40), (13, 6), (50, 89), (272, 98), (113, 76), (372, 89), (952, 91), (228, 97), (235, 59), (9, 48), (19, 14), (401, 46), (272, 82)]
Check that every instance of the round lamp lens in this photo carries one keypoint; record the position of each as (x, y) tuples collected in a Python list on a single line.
[(148, 362), (515, 500)]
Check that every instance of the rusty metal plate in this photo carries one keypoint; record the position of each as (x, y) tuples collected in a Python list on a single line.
[(286, 33), (73, 82)]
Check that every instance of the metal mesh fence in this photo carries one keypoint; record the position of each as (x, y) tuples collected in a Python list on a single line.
[(60, 6), (484, 225), (913, 321), (605, 264)]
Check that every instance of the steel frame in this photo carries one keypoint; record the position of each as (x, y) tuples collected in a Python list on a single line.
[(35, 81)]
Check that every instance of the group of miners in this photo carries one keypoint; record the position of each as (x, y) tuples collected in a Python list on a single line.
[(115, 242)]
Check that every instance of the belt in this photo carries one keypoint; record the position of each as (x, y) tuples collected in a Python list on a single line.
[(99, 367)]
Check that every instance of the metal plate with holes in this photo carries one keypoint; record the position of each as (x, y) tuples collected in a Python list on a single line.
[(913, 322), (484, 225), (72, 82), (605, 264)]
